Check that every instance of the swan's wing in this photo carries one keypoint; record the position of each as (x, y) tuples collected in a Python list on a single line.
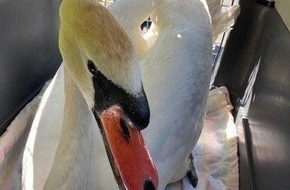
[(44, 136), (176, 75)]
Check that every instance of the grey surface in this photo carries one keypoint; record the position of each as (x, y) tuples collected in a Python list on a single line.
[(28, 52), (237, 63), (261, 35)]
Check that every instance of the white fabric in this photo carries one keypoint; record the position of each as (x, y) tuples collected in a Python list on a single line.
[(215, 156)]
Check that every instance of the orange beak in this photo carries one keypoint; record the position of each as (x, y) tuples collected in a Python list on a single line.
[(129, 158)]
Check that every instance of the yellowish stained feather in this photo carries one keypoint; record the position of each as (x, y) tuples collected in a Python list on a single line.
[(89, 31), (95, 29)]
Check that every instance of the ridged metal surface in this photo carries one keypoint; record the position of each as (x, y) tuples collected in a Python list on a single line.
[(256, 68)]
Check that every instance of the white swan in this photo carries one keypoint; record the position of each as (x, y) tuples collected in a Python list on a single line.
[(102, 74), (178, 63)]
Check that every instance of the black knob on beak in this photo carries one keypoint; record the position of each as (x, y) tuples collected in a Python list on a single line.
[(135, 106), (137, 110)]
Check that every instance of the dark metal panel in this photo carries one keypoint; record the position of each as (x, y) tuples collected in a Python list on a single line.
[(247, 167), (269, 114), (236, 64), (261, 36), (29, 53)]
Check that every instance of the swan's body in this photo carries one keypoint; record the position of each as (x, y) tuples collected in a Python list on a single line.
[(176, 74)]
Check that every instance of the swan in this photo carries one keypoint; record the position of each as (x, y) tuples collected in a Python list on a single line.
[(101, 76), (177, 62)]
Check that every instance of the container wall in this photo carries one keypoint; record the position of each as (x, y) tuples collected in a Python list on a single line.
[(256, 69), (29, 53)]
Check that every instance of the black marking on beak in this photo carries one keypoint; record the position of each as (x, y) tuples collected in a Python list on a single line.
[(125, 130), (148, 185), (134, 107)]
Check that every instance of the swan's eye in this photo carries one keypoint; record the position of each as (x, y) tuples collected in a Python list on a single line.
[(92, 68)]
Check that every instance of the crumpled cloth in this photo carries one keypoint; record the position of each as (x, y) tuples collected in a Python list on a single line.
[(215, 155)]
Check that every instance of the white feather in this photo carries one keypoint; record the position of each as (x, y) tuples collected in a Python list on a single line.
[(176, 71)]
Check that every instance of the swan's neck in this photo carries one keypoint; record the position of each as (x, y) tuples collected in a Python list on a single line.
[(127, 13), (132, 18), (72, 160)]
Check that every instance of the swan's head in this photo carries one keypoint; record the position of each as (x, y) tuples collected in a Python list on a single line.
[(102, 59), (103, 62)]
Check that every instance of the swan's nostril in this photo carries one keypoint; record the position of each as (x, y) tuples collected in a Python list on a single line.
[(125, 130), (148, 185)]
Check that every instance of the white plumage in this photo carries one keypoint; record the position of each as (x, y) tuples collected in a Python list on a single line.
[(176, 71)]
